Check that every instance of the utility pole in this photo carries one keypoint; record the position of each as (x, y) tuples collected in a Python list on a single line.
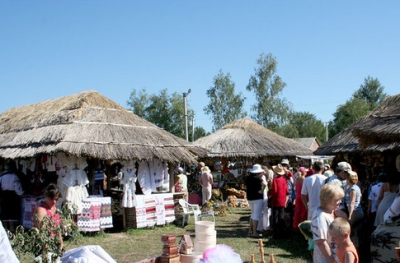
[(326, 130), (193, 129), (185, 94)]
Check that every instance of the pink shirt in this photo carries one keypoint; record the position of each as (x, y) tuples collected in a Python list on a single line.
[(205, 180)]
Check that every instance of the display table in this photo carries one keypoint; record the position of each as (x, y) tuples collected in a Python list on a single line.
[(96, 214), (154, 209)]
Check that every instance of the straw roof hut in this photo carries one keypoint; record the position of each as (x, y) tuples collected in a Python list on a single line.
[(246, 138), (88, 124), (343, 142), (381, 126)]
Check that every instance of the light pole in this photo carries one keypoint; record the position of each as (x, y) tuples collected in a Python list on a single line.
[(326, 131), (185, 94)]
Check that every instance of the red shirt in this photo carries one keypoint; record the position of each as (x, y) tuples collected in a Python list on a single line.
[(278, 192)]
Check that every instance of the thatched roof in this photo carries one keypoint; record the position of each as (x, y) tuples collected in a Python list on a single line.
[(88, 124), (246, 138), (381, 126), (343, 142)]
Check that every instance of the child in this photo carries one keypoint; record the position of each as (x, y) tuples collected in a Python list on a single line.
[(339, 230)]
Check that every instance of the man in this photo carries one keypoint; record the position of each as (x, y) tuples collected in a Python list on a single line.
[(311, 188), (6, 252), (341, 174), (340, 177), (286, 166)]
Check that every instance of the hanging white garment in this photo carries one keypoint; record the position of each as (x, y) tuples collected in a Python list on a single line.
[(166, 175), (144, 177), (76, 180), (128, 180), (156, 174)]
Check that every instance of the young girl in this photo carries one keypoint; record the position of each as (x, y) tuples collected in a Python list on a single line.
[(339, 230)]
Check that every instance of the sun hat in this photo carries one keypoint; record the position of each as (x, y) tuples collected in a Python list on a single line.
[(285, 161), (302, 169), (343, 166), (279, 169), (256, 169)]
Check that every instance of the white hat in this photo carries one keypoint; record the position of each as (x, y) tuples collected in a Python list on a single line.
[(343, 166), (285, 161), (352, 173), (256, 169), (180, 169)]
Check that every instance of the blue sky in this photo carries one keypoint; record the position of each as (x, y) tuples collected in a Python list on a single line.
[(324, 49)]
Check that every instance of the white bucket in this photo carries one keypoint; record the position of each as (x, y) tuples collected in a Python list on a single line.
[(209, 238), (203, 246), (204, 227), (192, 258)]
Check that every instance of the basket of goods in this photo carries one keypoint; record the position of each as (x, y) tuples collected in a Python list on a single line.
[(237, 193)]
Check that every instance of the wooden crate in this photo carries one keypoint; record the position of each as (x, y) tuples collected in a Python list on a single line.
[(129, 217)]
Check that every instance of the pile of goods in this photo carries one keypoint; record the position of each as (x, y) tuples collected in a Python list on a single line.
[(233, 201)]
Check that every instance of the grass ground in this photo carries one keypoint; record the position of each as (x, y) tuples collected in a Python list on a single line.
[(137, 244)]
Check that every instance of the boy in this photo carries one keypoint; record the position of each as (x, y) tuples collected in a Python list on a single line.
[(339, 230)]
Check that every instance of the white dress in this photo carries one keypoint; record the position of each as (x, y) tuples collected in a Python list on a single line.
[(128, 180)]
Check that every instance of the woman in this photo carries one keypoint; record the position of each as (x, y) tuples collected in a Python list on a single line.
[(279, 195), (330, 198), (300, 211), (352, 204), (206, 181), (387, 194), (267, 176), (48, 210), (254, 192)]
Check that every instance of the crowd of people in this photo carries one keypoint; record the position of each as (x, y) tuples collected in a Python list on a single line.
[(340, 210)]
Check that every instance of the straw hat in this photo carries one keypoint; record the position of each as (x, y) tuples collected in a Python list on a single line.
[(278, 169)]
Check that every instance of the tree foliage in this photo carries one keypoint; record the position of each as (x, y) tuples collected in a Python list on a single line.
[(198, 133), (304, 125), (347, 114), (164, 110), (224, 105), (371, 91), (270, 109), (366, 98)]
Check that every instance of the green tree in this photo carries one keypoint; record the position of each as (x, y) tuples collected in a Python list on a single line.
[(164, 110), (371, 91), (366, 98), (305, 124), (347, 114), (199, 132), (270, 109), (224, 105)]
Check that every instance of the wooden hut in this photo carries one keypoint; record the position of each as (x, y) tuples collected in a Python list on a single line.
[(381, 127), (97, 131), (371, 143), (246, 138), (88, 124), (238, 145)]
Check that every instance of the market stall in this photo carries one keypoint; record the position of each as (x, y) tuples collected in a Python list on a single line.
[(85, 141)]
